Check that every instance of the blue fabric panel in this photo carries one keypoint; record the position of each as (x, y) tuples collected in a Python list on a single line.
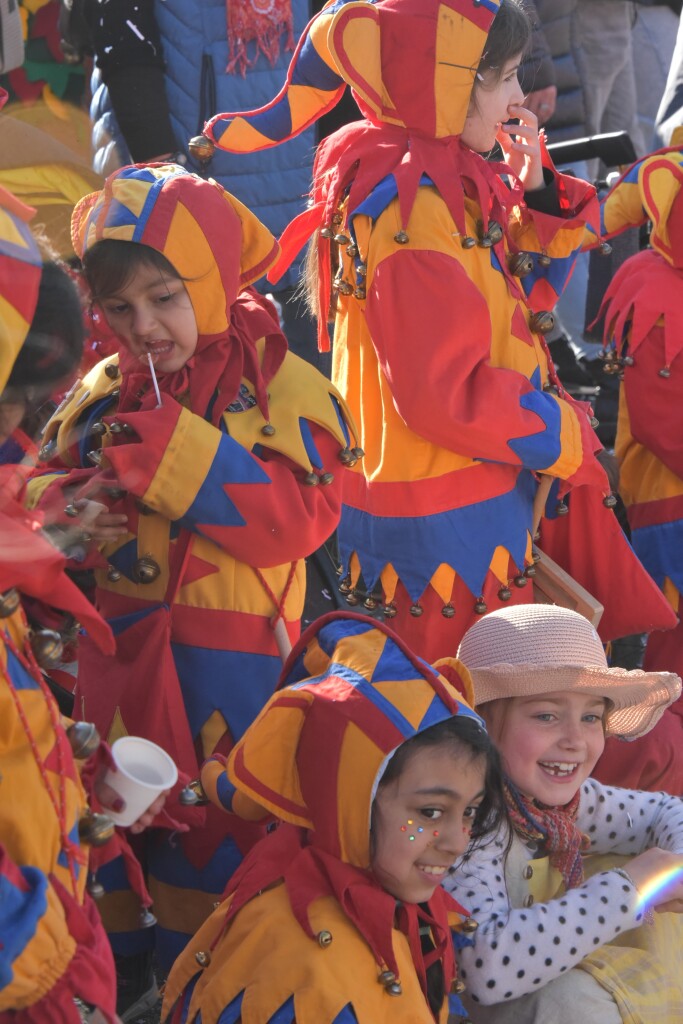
[(168, 864), (417, 545), (393, 664), (367, 690), (124, 558), (232, 1012), (87, 442), (21, 912), (225, 791), (21, 678), (212, 506), (660, 549), (312, 70), (332, 632), (235, 683), (540, 450), (122, 622), (557, 274), (346, 1016), (437, 712), (62, 859), (309, 443), (142, 940), (342, 421), (285, 1015)]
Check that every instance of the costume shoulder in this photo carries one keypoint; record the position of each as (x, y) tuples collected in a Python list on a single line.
[(299, 397), (88, 400), (265, 962)]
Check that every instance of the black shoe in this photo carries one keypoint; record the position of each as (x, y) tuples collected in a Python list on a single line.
[(136, 986), (568, 365)]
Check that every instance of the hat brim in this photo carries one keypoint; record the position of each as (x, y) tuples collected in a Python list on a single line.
[(638, 699)]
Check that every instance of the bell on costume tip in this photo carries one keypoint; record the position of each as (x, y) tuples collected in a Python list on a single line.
[(146, 570), (147, 918), (201, 148), (95, 888), (95, 829), (193, 795), (84, 739), (9, 602), (47, 647)]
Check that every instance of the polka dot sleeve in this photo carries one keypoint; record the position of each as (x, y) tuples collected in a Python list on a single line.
[(517, 951), (629, 821)]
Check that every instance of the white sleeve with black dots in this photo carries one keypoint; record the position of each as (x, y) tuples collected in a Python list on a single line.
[(628, 821), (517, 951)]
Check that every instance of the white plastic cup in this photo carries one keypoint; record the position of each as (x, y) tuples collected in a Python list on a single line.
[(144, 771)]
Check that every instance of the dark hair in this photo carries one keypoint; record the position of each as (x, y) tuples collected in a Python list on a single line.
[(468, 739), (53, 346), (509, 36), (111, 263)]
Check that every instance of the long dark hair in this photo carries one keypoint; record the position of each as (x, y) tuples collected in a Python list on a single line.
[(509, 36), (469, 740)]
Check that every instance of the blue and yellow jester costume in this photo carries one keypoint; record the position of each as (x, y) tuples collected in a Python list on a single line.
[(53, 949), (227, 486), (307, 933), (444, 278)]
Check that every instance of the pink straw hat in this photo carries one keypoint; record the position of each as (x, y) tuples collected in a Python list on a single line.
[(537, 648)]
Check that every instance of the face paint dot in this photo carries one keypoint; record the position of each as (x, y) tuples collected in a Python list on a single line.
[(410, 821), (436, 833), (420, 829), (411, 838), (403, 828)]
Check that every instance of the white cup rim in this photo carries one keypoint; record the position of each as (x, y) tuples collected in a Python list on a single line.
[(159, 752)]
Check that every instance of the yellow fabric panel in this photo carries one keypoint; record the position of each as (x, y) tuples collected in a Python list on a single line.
[(184, 465), (442, 581), (571, 456), (62, 425), (457, 38), (189, 251), (182, 910), (671, 593), (13, 331), (120, 911), (36, 487), (213, 730), (356, 51), (642, 477)]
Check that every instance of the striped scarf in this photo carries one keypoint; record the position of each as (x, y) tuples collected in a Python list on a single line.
[(555, 827)]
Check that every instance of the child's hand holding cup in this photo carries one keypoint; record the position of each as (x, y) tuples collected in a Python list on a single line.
[(140, 782)]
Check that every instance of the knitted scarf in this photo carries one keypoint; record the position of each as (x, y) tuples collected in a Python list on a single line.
[(554, 826)]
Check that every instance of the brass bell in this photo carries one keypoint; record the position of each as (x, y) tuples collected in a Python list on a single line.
[(193, 795), (469, 925), (401, 237), (551, 389), (115, 427), (370, 603), (362, 269), (9, 602), (96, 457), (337, 218), (95, 889), (95, 829), (202, 958), (544, 260), (146, 570), (610, 501), (358, 452), (71, 510), (485, 242), (345, 287), (416, 610), (536, 555), (521, 264), (481, 607), (542, 322), (113, 574), (352, 598), (47, 648), (326, 479), (326, 232), (312, 479), (530, 572), (504, 593), (468, 242), (495, 232), (386, 978), (561, 509), (201, 148), (345, 585), (458, 985), (47, 451), (665, 372), (448, 611), (268, 430), (324, 939), (605, 249), (342, 239), (112, 370), (594, 422), (352, 250), (359, 292), (346, 457), (389, 610), (84, 739), (98, 429), (520, 581), (628, 360), (394, 989), (147, 918)]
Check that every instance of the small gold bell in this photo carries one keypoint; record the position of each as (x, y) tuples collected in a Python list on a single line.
[(71, 510), (193, 795), (202, 958), (370, 603), (201, 148), (268, 430), (95, 888), (520, 581), (98, 429), (401, 237), (113, 574), (469, 925), (326, 232), (605, 249), (326, 479), (561, 509), (386, 978), (468, 242), (345, 585), (530, 572), (389, 610), (312, 479), (47, 451), (84, 739), (542, 322), (362, 269), (95, 829), (521, 264), (481, 607), (551, 389), (115, 427), (359, 292), (394, 989), (665, 372), (345, 456), (594, 422), (352, 250), (96, 457), (544, 260), (536, 555), (495, 232), (147, 918), (324, 939), (345, 287), (457, 986), (112, 370), (628, 360), (9, 602), (358, 452), (448, 611), (47, 647), (342, 239), (146, 570), (610, 501), (352, 598), (504, 593), (416, 610)]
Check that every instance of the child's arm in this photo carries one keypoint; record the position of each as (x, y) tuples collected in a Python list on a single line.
[(629, 821), (517, 951)]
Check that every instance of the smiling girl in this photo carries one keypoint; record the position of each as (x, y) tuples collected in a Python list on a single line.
[(553, 944), (380, 774)]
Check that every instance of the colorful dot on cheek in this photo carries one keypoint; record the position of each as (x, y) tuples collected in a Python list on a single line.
[(403, 828), (410, 821), (411, 838), (436, 833), (420, 829)]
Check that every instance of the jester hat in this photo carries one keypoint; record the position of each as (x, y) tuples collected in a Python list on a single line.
[(351, 693), (217, 246), (20, 273)]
